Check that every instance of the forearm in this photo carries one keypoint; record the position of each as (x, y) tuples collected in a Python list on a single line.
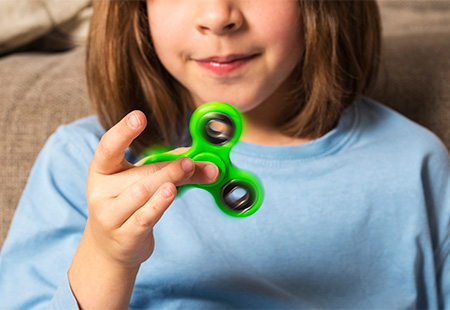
[(99, 283)]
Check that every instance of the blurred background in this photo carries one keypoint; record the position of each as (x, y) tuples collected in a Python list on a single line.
[(43, 25)]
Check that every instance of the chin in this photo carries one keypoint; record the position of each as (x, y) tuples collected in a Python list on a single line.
[(243, 105)]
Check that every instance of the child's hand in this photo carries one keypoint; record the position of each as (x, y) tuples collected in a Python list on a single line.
[(125, 202)]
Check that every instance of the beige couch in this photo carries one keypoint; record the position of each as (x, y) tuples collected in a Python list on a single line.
[(39, 91)]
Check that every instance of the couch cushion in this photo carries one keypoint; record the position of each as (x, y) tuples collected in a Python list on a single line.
[(38, 93)]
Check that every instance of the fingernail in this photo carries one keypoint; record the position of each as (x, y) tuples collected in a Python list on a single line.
[(166, 192), (187, 165), (211, 171), (133, 121)]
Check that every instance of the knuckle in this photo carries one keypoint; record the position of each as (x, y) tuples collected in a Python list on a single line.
[(142, 221), (175, 173), (102, 147), (93, 198), (150, 170), (158, 210), (103, 220), (105, 149), (140, 191)]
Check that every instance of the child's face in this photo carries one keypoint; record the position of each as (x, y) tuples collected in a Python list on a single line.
[(236, 51)]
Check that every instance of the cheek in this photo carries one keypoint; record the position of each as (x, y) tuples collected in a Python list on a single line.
[(280, 27), (290, 48), (167, 34), (289, 51), (167, 48), (162, 36)]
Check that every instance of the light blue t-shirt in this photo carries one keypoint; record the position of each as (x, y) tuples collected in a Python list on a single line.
[(358, 218)]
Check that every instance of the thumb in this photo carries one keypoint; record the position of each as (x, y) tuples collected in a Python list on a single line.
[(110, 152)]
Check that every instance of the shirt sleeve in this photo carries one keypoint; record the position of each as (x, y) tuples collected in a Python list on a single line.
[(436, 180), (47, 226)]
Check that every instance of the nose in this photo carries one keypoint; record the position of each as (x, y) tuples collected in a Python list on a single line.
[(219, 17)]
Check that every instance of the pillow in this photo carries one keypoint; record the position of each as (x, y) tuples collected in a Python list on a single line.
[(63, 23)]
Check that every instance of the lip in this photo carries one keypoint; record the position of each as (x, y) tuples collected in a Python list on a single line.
[(223, 65)]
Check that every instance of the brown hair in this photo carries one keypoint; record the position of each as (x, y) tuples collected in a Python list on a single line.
[(340, 60)]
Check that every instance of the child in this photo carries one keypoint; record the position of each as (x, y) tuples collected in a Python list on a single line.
[(357, 197)]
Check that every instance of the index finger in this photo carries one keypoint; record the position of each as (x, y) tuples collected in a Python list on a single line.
[(176, 151), (110, 152)]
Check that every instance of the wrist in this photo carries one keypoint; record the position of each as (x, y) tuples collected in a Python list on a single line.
[(98, 281)]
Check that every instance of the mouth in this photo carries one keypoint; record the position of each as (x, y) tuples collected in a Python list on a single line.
[(223, 65)]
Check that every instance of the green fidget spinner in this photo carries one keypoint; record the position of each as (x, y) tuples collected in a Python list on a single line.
[(215, 128)]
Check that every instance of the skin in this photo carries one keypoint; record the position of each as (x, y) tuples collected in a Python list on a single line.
[(185, 31), (125, 200)]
